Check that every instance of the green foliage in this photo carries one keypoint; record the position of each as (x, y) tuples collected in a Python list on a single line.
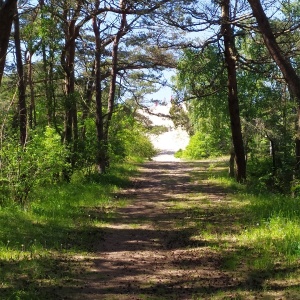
[(202, 145), (128, 139), (197, 147), (266, 112), (37, 245), (180, 117), (267, 173), (271, 224), (201, 78), (138, 146), (87, 147), (179, 154), (23, 169), (157, 129), (198, 68)]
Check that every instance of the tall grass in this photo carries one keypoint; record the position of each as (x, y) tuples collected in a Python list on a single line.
[(37, 244)]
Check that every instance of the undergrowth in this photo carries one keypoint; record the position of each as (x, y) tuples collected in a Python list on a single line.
[(256, 234), (270, 224), (38, 244)]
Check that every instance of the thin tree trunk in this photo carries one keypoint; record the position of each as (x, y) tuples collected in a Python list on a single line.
[(32, 110), (68, 64), (7, 11), (101, 145), (90, 88), (114, 70), (47, 84), (21, 83), (289, 73), (273, 154), (233, 102), (69, 93), (48, 79), (232, 163)]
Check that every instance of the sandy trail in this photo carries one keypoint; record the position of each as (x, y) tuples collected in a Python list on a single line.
[(151, 250), (154, 248)]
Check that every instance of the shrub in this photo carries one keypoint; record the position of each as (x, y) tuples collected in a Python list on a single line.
[(38, 163), (197, 147)]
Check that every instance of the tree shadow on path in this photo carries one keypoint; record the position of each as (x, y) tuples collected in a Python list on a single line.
[(153, 248)]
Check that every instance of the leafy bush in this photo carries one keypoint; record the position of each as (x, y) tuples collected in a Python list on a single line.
[(179, 153), (128, 139), (263, 177), (87, 148), (132, 144), (201, 145), (38, 163), (140, 147), (197, 147)]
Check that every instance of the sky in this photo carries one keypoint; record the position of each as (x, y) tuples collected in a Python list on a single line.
[(165, 93)]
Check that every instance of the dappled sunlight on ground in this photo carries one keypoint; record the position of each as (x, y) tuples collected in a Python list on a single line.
[(176, 238)]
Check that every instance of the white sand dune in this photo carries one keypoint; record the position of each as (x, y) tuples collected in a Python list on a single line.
[(168, 142)]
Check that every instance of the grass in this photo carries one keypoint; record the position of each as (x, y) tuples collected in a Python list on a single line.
[(271, 222), (257, 236), (38, 245)]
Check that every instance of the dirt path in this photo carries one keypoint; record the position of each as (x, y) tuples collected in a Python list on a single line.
[(153, 249)]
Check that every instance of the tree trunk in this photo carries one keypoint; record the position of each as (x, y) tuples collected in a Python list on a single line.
[(21, 83), (289, 73), (69, 92), (68, 64), (47, 85), (7, 11), (86, 107), (101, 155), (48, 82), (233, 102), (32, 110), (114, 70)]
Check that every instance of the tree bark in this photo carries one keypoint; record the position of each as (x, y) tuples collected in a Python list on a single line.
[(233, 101), (89, 92), (289, 73), (68, 64), (48, 83), (231, 172), (114, 69), (21, 83), (32, 110), (101, 155), (7, 11)]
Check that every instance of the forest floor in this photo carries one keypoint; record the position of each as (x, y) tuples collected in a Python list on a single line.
[(169, 242)]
